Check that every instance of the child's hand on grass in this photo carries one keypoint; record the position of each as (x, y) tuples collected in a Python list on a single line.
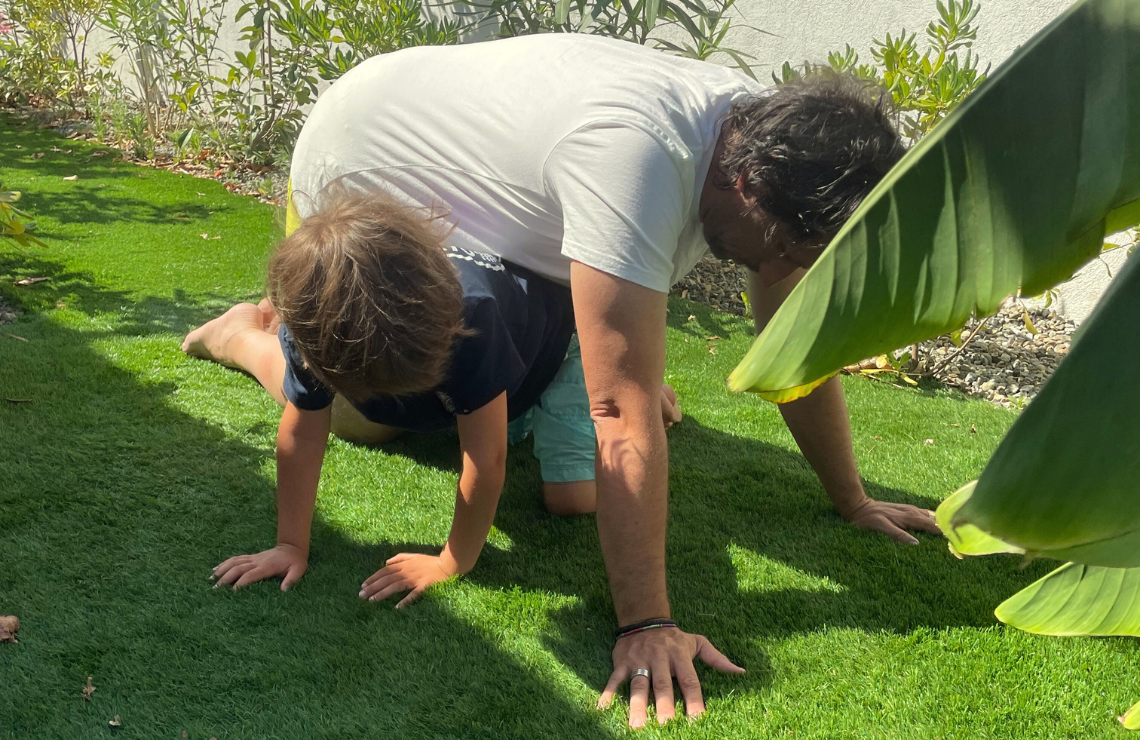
[(406, 572), (284, 560)]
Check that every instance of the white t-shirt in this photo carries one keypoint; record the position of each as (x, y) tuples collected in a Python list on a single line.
[(540, 149)]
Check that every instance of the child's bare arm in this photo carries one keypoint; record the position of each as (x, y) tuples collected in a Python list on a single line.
[(301, 440), (483, 436)]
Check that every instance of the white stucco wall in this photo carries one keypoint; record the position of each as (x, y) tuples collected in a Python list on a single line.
[(809, 29)]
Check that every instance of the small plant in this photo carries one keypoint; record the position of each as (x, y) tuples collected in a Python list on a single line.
[(924, 87), (14, 223)]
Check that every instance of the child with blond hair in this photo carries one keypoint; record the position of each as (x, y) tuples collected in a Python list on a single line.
[(373, 326)]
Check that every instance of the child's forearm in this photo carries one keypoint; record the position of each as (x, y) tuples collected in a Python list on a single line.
[(301, 440), (475, 504)]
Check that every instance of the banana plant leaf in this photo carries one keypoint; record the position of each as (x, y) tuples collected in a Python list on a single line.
[(1078, 600), (1016, 188), (1131, 718), (1065, 480), (966, 539)]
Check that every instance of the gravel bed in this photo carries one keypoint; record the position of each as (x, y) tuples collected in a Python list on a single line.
[(1004, 363)]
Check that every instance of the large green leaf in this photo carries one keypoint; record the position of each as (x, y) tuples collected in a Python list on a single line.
[(966, 539), (1065, 481), (1078, 600), (1012, 190)]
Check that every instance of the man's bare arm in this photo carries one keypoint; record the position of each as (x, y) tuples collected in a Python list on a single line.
[(621, 327), (822, 429)]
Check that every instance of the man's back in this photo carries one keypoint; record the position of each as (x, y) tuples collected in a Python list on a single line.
[(536, 147)]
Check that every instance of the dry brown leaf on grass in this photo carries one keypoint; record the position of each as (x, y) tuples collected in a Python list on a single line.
[(116, 722), (71, 178), (9, 626), (88, 690), (15, 336), (31, 280)]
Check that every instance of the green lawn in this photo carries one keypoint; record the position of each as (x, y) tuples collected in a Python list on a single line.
[(134, 469)]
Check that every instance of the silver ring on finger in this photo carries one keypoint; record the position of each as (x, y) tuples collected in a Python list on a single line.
[(640, 672)]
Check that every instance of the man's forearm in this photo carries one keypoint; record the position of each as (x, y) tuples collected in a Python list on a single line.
[(621, 326), (819, 421), (822, 429), (632, 471)]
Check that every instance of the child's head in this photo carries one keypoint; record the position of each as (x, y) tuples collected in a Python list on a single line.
[(372, 301)]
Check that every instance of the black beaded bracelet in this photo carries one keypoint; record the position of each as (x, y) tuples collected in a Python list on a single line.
[(648, 624)]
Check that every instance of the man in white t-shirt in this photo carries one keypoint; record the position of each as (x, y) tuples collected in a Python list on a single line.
[(614, 168)]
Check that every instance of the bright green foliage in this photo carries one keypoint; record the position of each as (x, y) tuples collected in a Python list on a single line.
[(966, 539), (1065, 481), (43, 50), (1078, 600), (134, 469), (1011, 190), (923, 87), (14, 223)]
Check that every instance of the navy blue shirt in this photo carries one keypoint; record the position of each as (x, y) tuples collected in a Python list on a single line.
[(522, 326)]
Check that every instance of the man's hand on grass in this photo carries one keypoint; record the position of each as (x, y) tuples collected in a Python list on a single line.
[(666, 653), (284, 560), (406, 572), (893, 520)]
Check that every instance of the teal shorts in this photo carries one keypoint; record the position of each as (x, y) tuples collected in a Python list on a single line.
[(563, 429)]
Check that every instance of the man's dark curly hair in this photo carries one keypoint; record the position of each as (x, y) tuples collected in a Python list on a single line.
[(811, 150)]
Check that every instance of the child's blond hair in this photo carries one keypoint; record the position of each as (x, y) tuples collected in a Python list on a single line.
[(371, 299)]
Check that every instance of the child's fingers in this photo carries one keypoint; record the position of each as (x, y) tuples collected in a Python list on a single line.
[(253, 575), (394, 588), (384, 572), (221, 569), (411, 598), (292, 577), (234, 573), (399, 557), (369, 591)]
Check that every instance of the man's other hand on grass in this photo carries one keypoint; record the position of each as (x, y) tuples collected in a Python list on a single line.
[(893, 520), (287, 561), (406, 572)]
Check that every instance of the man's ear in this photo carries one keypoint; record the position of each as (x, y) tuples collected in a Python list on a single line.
[(741, 191)]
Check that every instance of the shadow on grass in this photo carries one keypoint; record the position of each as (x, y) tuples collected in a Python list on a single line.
[(738, 507), (72, 289), (115, 505), (84, 201)]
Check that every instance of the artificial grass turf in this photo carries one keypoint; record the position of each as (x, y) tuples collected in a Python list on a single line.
[(133, 470)]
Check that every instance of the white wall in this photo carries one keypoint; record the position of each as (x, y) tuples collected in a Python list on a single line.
[(809, 29)]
